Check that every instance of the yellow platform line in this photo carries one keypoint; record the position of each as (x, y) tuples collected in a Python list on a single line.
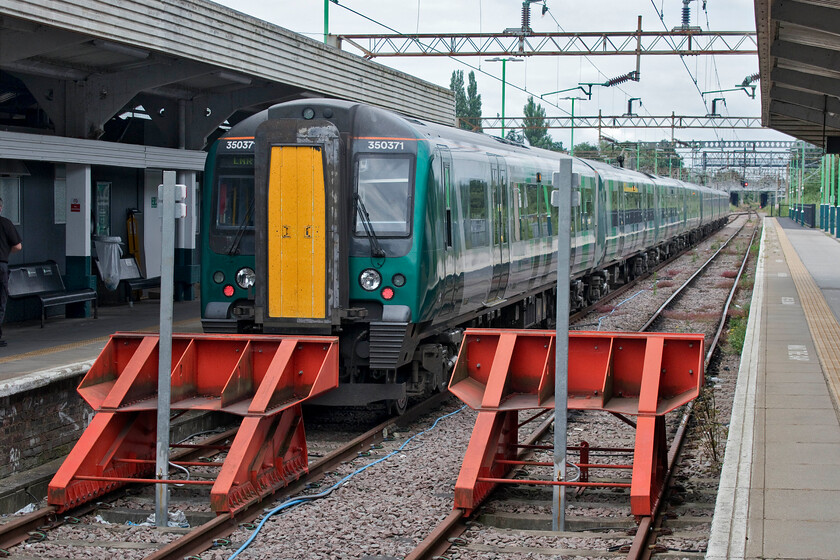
[(825, 330), (80, 343)]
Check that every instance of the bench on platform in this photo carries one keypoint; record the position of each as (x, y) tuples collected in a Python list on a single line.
[(133, 279), (43, 281)]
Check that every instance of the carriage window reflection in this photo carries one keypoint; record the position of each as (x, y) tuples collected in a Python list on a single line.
[(384, 186), (234, 208)]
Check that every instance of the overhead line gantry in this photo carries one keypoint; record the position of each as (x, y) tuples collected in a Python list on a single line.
[(686, 42), (599, 121)]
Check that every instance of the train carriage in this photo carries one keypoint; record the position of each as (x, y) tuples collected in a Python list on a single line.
[(333, 217)]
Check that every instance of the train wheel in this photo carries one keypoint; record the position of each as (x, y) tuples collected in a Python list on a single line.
[(396, 407)]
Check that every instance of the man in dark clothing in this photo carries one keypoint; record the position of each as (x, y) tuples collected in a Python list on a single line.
[(9, 243)]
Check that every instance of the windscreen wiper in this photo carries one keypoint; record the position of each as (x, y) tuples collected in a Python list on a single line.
[(237, 239), (375, 250)]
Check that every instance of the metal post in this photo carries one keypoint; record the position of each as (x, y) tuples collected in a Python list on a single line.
[(167, 273), (670, 160), (656, 159), (802, 187), (326, 21), (572, 140), (823, 190), (565, 199), (504, 62)]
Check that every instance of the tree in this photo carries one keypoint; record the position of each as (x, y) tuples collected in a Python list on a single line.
[(473, 103), (534, 126), (456, 84), (587, 150), (660, 157), (467, 103), (514, 136)]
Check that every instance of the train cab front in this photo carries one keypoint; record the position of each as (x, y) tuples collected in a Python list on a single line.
[(227, 282), (335, 190)]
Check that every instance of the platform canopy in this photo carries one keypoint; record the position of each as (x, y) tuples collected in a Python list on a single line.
[(72, 67), (799, 59)]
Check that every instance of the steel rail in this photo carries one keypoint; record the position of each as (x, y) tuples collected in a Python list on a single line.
[(614, 294), (19, 529), (641, 547), (440, 539), (204, 536), (689, 282)]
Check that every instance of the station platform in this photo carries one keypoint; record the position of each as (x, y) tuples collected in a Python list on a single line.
[(779, 494), (36, 356)]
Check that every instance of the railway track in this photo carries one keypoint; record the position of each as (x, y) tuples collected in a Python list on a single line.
[(214, 539), (447, 540), (38, 526)]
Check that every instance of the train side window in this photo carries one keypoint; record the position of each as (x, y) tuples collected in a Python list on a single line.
[(533, 212), (586, 205), (448, 198), (553, 214), (517, 216), (475, 193), (524, 215)]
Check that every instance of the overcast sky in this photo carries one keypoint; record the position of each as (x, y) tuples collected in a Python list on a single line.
[(665, 84)]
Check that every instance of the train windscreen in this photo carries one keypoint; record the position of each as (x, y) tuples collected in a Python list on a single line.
[(232, 227), (384, 189)]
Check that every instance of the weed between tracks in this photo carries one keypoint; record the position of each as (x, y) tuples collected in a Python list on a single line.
[(708, 429), (737, 331)]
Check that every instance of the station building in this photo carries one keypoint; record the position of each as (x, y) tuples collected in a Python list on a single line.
[(98, 98)]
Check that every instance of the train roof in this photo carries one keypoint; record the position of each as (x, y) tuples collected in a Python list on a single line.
[(434, 132)]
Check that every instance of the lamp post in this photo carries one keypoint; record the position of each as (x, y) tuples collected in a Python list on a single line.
[(504, 62)]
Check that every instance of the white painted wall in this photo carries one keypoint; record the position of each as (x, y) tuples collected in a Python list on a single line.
[(151, 224), (77, 237)]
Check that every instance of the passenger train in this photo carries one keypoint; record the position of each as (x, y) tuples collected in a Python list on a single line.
[(332, 217)]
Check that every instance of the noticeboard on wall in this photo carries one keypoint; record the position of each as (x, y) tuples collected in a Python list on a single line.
[(103, 208)]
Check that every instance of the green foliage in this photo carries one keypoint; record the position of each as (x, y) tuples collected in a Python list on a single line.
[(467, 102), (660, 158), (514, 136), (535, 128), (473, 103), (587, 150), (737, 332)]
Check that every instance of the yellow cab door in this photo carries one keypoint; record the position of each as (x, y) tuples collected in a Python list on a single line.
[(296, 233)]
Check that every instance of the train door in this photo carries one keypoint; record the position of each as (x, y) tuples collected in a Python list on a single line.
[(620, 208), (297, 224), (448, 249), (603, 221), (298, 252), (501, 243)]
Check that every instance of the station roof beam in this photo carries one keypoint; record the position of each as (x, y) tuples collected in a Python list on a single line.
[(799, 61)]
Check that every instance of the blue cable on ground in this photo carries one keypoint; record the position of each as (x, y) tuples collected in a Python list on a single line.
[(301, 499), (617, 306)]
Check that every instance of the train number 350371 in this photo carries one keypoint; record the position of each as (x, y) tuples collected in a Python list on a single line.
[(385, 145)]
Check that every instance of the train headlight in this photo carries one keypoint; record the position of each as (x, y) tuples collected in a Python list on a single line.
[(370, 279), (218, 277), (398, 280), (245, 278)]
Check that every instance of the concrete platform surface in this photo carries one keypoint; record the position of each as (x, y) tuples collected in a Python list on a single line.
[(779, 495), (67, 346)]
